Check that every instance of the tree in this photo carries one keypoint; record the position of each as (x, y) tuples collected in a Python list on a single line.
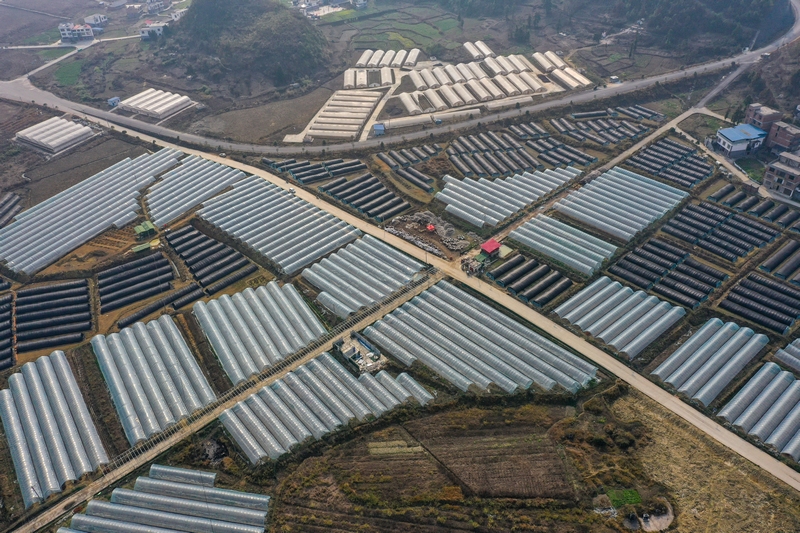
[(548, 6)]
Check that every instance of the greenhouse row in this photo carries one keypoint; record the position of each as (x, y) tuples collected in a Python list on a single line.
[(361, 274), (768, 407), (706, 363), (625, 320), (208, 259), (51, 315), (390, 58), (155, 103), (756, 206), (482, 201), (193, 182), (368, 195), (790, 355), (669, 271), (50, 229), (557, 153), (50, 433), (312, 400), (254, 329), (621, 203), (478, 50), (764, 301), (785, 262), (598, 130), (277, 224), (344, 114), (55, 135), (719, 231), (567, 245), (530, 281), (672, 161), (153, 378), (159, 505), (469, 343), (134, 281)]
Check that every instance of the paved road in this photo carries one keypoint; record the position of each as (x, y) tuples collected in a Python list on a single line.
[(22, 90)]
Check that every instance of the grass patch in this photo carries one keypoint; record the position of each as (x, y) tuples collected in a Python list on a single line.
[(701, 126), (754, 168), (68, 74), (446, 24), (407, 43), (53, 53), (624, 497), (48, 37), (613, 58)]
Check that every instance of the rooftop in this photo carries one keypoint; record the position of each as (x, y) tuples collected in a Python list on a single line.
[(490, 246), (794, 130), (742, 132), (764, 110)]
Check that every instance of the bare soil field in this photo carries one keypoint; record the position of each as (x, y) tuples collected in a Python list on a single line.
[(21, 27), (73, 167), (712, 488), (16, 160), (15, 63), (265, 123)]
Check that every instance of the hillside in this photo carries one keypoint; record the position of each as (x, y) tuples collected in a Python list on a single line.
[(729, 23), (249, 38)]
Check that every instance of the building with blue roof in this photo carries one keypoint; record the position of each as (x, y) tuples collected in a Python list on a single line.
[(740, 140)]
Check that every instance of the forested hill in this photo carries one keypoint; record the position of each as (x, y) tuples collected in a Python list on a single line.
[(261, 37), (678, 21)]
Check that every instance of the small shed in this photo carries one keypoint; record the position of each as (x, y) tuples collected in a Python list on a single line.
[(379, 129)]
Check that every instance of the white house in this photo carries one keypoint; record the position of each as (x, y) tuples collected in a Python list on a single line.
[(740, 140), (153, 6), (177, 15), (156, 29), (73, 32), (96, 20)]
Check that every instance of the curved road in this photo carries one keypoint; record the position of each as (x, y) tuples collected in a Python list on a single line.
[(23, 90)]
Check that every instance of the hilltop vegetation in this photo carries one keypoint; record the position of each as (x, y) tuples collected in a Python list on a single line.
[(731, 22), (250, 38)]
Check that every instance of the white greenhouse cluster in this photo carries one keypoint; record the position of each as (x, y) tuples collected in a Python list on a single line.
[(344, 114), (55, 135), (275, 223), (173, 500), (768, 407), (625, 320), (254, 329), (390, 58), (155, 103), (563, 243), (193, 182), (58, 225), (706, 363), (469, 343), (51, 436), (485, 202), (311, 401), (152, 376), (361, 274), (478, 50), (621, 203)]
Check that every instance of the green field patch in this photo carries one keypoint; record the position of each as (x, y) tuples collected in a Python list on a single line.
[(53, 53), (754, 168), (422, 12), (48, 37), (422, 29), (446, 24), (614, 58), (406, 42), (68, 74), (624, 497), (126, 64)]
